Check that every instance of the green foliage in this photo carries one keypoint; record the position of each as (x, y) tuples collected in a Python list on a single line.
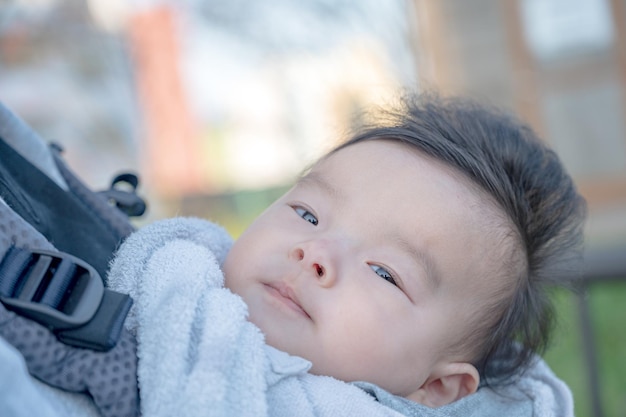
[(607, 304)]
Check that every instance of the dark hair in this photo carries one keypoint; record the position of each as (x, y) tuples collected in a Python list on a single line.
[(544, 215)]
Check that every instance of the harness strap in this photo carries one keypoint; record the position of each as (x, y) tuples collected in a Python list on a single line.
[(109, 378), (76, 221), (65, 294)]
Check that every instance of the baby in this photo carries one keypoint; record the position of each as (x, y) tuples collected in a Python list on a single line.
[(375, 267), (415, 256), (405, 273)]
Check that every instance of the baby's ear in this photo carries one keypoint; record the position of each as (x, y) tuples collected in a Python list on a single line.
[(447, 383)]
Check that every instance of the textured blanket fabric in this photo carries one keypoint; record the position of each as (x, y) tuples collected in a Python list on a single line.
[(538, 393), (198, 355)]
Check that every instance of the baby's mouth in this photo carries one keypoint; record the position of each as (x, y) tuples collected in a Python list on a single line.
[(287, 296)]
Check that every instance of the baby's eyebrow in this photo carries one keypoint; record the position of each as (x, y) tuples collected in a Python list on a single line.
[(424, 259), (314, 179)]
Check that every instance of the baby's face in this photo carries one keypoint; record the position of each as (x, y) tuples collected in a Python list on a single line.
[(369, 267)]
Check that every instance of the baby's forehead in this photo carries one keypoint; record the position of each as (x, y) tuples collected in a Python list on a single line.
[(320, 179), (364, 159)]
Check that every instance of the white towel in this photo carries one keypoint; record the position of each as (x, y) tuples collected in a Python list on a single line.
[(198, 355)]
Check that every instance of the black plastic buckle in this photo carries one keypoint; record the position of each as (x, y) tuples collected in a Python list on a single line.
[(63, 293), (125, 197)]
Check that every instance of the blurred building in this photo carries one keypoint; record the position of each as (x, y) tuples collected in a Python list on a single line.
[(559, 64), (72, 82)]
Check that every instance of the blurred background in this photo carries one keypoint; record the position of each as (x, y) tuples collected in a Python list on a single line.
[(218, 105)]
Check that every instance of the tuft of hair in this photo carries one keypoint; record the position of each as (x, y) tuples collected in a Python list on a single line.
[(527, 181)]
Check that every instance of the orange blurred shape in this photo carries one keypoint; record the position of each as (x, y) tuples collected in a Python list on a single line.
[(170, 152)]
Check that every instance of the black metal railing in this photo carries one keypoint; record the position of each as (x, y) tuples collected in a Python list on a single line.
[(601, 266)]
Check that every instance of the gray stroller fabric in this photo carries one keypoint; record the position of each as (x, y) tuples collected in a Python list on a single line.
[(108, 377)]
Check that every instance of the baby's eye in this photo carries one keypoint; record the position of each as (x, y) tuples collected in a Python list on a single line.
[(384, 274), (306, 215)]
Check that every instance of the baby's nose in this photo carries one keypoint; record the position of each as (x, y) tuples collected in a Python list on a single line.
[(319, 259)]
